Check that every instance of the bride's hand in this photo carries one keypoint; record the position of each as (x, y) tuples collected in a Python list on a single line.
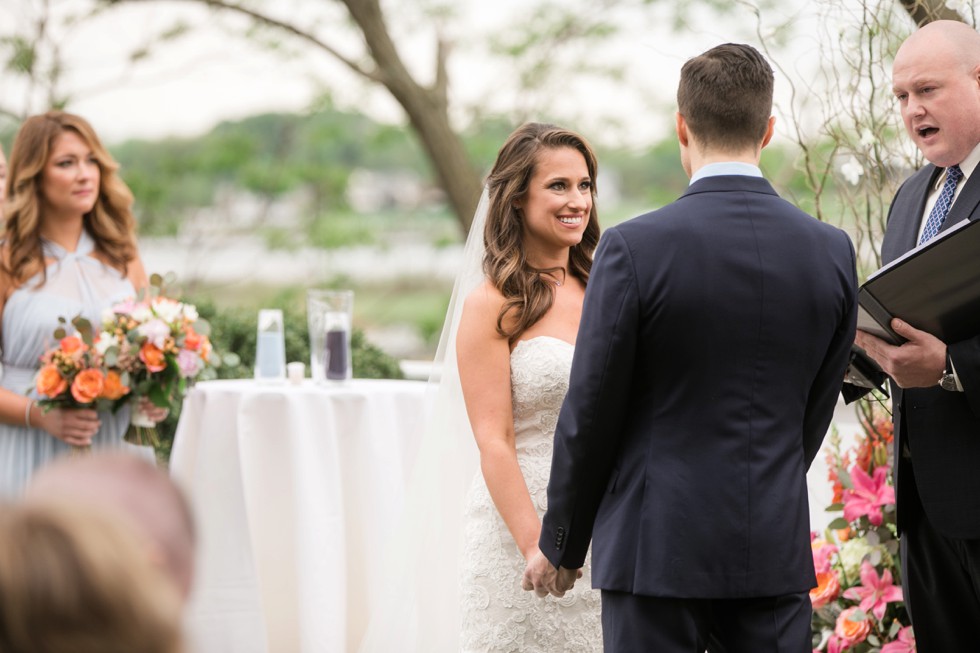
[(154, 413), (74, 426)]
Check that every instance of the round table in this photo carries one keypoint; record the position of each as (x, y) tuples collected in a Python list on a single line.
[(293, 488)]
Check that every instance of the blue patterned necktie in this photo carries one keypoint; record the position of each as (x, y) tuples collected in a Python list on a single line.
[(945, 200)]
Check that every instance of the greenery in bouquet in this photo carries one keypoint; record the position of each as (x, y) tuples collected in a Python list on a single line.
[(858, 603), (160, 346)]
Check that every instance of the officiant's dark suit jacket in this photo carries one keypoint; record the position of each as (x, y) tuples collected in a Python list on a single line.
[(941, 429), (713, 342)]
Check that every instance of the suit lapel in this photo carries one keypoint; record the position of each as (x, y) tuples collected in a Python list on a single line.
[(906, 216)]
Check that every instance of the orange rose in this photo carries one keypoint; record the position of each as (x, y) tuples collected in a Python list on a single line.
[(192, 339), (49, 381), (113, 387), (71, 344), (827, 589), (851, 632), (87, 386), (152, 357)]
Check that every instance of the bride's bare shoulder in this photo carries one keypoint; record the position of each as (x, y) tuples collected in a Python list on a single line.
[(481, 310)]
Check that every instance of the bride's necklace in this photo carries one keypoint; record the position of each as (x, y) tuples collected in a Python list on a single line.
[(555, 280)]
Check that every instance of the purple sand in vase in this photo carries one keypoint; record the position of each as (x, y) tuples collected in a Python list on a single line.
[(336, 354)]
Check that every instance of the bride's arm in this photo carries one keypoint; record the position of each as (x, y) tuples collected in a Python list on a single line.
[(484, 371)]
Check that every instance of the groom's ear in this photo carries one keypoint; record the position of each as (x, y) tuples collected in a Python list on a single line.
[(681, 127)]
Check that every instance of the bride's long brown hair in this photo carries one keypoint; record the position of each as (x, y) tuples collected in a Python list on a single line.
[(110, 222), (528, 292)]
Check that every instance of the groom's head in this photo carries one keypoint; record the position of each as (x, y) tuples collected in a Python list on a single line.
[(725, 99)]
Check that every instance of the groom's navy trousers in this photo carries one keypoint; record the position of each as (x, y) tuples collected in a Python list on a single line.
[(713, 342)]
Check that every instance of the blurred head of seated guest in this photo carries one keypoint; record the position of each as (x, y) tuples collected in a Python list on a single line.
[(74, 579), (135, 490)]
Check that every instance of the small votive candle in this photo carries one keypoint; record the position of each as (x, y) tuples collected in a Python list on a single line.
[(296, 371)]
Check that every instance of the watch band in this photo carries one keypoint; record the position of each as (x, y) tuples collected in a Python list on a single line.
[(948, 379)]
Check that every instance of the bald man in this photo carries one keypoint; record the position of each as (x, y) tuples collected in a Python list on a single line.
[(134, 490), (935, 384)]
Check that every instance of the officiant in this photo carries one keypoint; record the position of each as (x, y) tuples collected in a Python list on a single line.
[(935, 384)]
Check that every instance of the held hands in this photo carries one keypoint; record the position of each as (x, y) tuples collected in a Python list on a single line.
[(541, 577), (917, 363)]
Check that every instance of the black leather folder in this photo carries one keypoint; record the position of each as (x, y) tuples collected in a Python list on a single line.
[(934, 287)]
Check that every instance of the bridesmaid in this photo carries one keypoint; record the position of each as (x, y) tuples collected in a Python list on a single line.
[(68, 248)]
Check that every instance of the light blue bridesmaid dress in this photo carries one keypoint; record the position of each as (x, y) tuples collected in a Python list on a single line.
[(77, 284)]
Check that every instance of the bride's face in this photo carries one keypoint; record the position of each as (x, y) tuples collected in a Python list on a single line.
[(558, 201)]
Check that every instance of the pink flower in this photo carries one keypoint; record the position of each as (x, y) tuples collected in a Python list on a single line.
[(904, 643), (869, 495), (124, 307), (823, 551), (849, 631), (875, 593), (189, 363)]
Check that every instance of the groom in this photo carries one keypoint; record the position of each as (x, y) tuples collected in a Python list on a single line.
[(713, 341)]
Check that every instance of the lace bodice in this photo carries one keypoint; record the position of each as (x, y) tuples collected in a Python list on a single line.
[(497, 614), (539, 371)]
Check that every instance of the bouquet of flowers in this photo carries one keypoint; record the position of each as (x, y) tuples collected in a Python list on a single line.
[(74, 374), (149, 347), (858, 603), (159, 346)]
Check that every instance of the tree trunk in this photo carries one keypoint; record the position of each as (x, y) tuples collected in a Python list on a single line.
[(927, 11), (427, 109)]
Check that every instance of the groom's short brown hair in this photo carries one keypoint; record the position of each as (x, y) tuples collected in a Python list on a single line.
[(725, 96)]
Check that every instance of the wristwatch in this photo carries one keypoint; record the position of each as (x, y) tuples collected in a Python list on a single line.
[(948, 380)]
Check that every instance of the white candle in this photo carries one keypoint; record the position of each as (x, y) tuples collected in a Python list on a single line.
[(296, 371)]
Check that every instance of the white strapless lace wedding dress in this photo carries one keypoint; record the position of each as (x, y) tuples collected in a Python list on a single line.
[(497, 614)]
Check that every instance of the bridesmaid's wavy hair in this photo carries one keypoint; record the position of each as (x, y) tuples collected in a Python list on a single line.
[(110, 223), (527, 294)]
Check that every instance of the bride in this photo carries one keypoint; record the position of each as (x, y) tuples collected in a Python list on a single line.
[(514, 349), (451, 576)]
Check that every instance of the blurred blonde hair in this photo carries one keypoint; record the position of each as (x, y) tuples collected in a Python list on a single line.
[(72, 580), (110, 222)]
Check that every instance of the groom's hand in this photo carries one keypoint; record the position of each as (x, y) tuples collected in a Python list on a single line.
[(541, 577)]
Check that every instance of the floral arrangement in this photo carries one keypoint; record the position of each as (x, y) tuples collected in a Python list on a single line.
[(73, 374), (150, 346), (858, 603)]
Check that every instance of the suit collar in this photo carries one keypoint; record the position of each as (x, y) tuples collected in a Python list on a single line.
[(723, 183)]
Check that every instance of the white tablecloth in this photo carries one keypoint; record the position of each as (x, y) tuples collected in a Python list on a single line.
[(294, 488)]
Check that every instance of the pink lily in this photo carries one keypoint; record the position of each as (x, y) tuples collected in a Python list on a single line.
[(904, 643), (875, 593), (868, 495)]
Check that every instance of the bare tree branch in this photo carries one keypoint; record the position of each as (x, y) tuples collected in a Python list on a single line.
[(927, 11), (270, 21)]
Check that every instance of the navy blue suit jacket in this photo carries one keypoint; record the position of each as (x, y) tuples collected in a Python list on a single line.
[(942, 429), (713, 342)]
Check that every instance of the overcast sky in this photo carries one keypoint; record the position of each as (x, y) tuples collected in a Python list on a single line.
[(211, 75)]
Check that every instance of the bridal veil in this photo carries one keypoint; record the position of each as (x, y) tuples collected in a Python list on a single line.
[(419, 608)]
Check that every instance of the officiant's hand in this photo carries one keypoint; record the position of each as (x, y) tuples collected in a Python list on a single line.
[(917, 363), (541, 577)]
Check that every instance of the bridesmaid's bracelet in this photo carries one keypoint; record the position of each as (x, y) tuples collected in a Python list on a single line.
[(27, 413)]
